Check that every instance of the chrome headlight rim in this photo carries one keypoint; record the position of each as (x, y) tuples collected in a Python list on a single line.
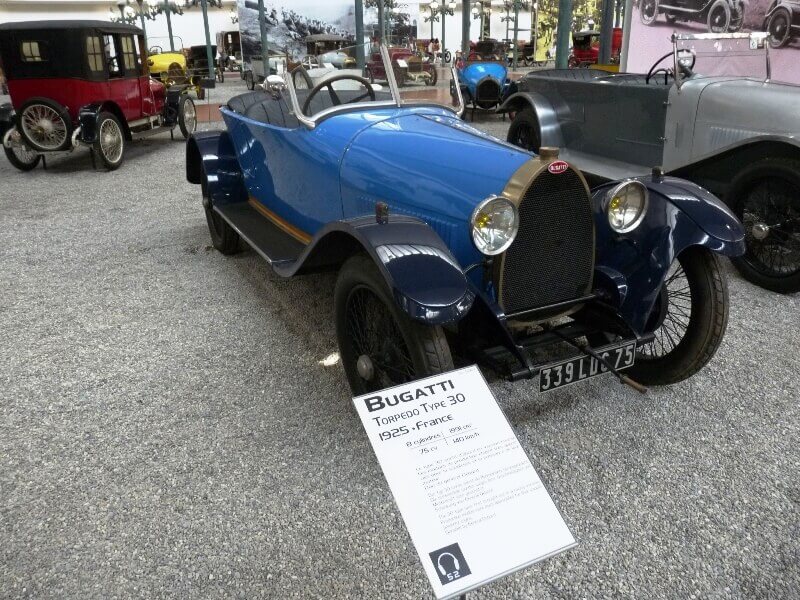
[(513, 233), (615, 191)]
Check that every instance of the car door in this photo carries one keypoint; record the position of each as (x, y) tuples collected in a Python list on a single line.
[(123, 78)]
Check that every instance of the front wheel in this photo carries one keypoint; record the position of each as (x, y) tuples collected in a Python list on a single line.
[(688, 320), (719, 16), (223, 237), (648, 11), (22, 157), (766, 198), (110, 144), (779, 28), (524, 131), (380, 346), (187, 117)]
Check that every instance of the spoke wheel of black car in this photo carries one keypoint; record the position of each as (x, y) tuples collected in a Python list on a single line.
[(688, 320), (223, 237), (524, 131), (379, 345), (766, 198), (779, 28), (648, 11), (45, 125), (737, 17), (110, 144), (187, 116), (719, 16), (22, 157)]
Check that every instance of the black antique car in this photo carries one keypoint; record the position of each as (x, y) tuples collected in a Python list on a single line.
[(720, 16), (782, 22)]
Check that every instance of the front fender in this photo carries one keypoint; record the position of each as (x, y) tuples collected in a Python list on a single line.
[(632, 267), (549, 126), (426, 280), (211, 162)]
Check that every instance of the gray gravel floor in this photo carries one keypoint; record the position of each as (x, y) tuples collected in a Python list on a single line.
[(167, 429)]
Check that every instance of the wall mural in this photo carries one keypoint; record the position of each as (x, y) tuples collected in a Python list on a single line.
[(652, 24), (289, 22)]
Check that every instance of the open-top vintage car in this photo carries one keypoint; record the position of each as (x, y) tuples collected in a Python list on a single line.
[(720, 16), (407, 67), (586, 48), (82, 83), (732, 135), (444, 235), (170, 68), (483, 79), (782, 22)]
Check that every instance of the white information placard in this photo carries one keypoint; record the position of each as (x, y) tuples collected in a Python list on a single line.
[(473, 504)]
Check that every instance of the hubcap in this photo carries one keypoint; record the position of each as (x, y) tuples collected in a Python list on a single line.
[(760, 231), (44, 126), (111, 141), (365, 368)]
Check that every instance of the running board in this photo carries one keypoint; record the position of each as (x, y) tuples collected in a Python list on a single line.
[(272, 243)]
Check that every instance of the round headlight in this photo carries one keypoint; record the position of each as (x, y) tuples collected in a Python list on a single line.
[(494, 225), (627, 205)]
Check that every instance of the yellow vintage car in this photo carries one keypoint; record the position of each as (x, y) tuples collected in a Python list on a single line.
[(170, 69)]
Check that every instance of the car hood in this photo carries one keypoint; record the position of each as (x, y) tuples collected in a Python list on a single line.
[(476, 71)]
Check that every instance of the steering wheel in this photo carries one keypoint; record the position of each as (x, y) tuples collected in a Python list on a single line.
[(155, 50), (685, 69), (328, 83)]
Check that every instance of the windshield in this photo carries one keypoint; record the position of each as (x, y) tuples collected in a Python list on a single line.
[(330, 81), (738, 54)]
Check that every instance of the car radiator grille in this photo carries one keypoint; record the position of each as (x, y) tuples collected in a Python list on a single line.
[(552, 257), (488, 91)]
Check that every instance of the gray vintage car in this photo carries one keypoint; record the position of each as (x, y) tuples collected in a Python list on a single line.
[(739, 137)]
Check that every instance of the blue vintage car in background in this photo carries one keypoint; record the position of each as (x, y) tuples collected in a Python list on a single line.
[(483, 78), (445, 237)]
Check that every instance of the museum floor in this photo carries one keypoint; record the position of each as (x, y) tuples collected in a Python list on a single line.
[(169, 427)]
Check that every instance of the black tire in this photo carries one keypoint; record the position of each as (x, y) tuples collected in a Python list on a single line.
[(187, 116), (398, 348), (447, 57), (250, 80), (201, 92), (22, 160), (57, 137), (648, 11), (110, 144), (223, 237), (768, 192), (524, 131), (677, 353), (779, 28), (737, 17), (719, 16)]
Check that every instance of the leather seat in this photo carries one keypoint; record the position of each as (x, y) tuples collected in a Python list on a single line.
[(265, 108)]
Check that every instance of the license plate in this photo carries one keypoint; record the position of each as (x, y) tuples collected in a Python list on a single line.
[(585, 367)]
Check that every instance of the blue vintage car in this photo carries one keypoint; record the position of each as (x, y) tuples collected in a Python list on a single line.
[(483, 78), (444, 236)]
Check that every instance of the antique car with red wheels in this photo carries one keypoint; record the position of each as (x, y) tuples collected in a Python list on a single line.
[(407, 66), (82, 83)]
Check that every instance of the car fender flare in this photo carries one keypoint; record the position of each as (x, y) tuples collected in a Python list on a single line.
[(549, 126), (89, 115), (211, 162), (426, 281)]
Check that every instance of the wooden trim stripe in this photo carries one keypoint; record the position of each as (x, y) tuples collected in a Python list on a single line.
[(298, 234)]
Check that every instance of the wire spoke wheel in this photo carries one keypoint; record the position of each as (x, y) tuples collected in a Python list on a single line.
[(111, 142), (649, 11), (779, 28), (44, 126), (672, 314), (719, 17), (771, 218), (384, 359)]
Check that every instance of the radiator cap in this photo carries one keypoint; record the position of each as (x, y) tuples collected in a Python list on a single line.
[(548, 152)]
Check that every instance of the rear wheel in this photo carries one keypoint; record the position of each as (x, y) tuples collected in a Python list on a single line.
[(779, 28), (766, 198), (110, 144), (223, 236), (380, 346), (187, 116), (719, 16), (45, 125), (524, 131), (22, 157), (688, 320)]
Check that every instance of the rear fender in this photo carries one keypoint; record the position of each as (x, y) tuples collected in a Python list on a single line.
[(632, 267), (211, 162), (7, 119), (426, 280), (547, 116)]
